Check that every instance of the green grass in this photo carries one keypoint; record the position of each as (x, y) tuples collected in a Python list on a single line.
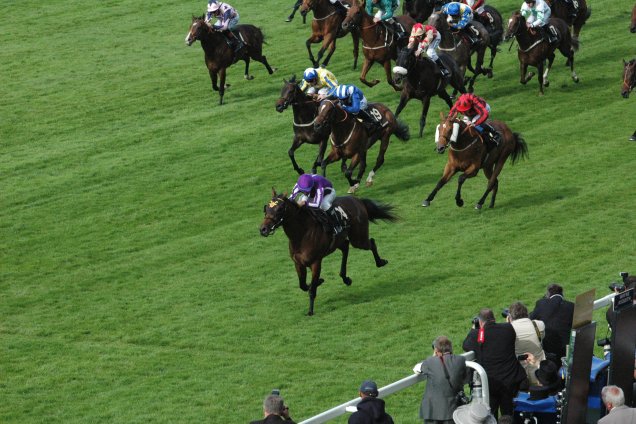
[(134, 284)]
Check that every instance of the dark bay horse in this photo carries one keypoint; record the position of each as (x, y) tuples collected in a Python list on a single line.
[(629, 77), (560, 10), (379, 44), (219, 55), (350, 139), (305, 109), (459, 47), (493, 22), (419, 10), (467, 152), (309, 243), (534, 50), (326, 28), (421, 79)]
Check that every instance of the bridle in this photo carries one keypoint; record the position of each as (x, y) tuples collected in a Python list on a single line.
[(277, 223), (450, 143), (629, 82)]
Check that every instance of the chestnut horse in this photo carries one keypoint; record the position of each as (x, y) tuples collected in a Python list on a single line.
[(534, 50), (350, 139), (422, 80), (219, 55), (467, 152), (309, 243), (379, 44), (305, 109), (326, 27)]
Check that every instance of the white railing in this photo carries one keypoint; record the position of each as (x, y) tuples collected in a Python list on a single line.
[(479, 395)]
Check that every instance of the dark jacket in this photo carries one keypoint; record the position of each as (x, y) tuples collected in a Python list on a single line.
[(497, 353), (557, 314), (272, 419), (370, 411)]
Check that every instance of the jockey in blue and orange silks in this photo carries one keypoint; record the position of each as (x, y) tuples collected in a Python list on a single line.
[(227, 20)]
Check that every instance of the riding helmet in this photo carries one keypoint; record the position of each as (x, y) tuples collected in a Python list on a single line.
[(305, 183), (213, 6), (418, 30), (310, 74), (453, 8), (463, 104)]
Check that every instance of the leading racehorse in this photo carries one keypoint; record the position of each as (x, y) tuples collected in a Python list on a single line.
[(467, 152), (309, 243), (219, 55)]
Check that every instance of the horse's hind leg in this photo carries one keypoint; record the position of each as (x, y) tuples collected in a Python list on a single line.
[(365, 70), (493, 183), (302, 276), (343, 265), (379, 262), (315, 282), (332, 49), (384, 144), (449, 171), (247, 75), (221, 85), (262, 59), (426, 103), (312, 40)]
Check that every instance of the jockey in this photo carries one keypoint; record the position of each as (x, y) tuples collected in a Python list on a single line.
[(479, 13), (316, 191), (537, 14), (475, 112), (427, 38), (385, 14), (318, 80), (227, 20), (459, 17), (353, 101)]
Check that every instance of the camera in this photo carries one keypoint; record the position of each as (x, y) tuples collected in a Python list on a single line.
[(475, 322), (276, 392), (617, 287), (505, 313), (522, 357)]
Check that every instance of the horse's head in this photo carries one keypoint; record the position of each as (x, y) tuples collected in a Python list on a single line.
[(288, 94), (197, 29), (515, 23), (274, 213), (447, 132), (326, 114), (438, 20), (629, 77), (354, 16), (306, 6), (403, 64)]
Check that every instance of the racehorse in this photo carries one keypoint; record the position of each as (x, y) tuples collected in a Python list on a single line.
[(219, 55), (326, 27), (422, 80), (460, 48), (533, 49), (561, 10), (379, 44), (305, 109), (350, 139), (493, 22), (309, 243), (629, 77), (419, 10), (632, 27), (467, 152)]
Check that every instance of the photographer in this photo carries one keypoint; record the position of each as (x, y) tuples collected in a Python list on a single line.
[(445, 377), (275, 411), (528, 340), (628, 283), (494, 347), (556, 313)]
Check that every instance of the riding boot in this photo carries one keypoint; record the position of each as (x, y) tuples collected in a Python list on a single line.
[(399, 31), (493, 137), (442, 68), (370, 123), (340, 8), (235, 42), (334, 217)]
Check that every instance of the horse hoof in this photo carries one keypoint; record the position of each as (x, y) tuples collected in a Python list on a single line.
[(576, 79), (249, 77), (320, 281), (310, 313), (353, 188), (347, 281), (546, 83), (382, 262), (459, 202), (274, 69), (478, 206), (426, 203), (369, 183)]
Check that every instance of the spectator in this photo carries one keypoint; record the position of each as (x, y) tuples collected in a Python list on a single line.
[(617, 413), (494, 347), (370, 408), (475, 413), (549, 381), (274, 411), (445, 377), (528, 339), (556, 313)]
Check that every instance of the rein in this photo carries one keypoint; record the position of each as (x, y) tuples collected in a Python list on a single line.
[(325, 17), (539, 41), (386, 44), (450, 145), (353, 127)]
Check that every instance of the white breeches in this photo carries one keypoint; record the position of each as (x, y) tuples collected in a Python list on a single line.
[(330, 195)]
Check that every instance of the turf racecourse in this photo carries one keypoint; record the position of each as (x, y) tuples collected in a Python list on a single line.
[(134, 286)]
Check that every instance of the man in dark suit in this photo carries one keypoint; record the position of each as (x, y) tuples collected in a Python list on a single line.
[(494, 347), (556, 313), (439, 400)]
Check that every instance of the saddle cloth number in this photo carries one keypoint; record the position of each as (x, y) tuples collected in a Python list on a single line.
[(376, 114)]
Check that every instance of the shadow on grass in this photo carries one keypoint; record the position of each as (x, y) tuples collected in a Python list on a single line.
[(540, 198)]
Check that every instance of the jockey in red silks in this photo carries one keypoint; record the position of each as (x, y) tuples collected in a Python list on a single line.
[(475, 112), (427, 39)]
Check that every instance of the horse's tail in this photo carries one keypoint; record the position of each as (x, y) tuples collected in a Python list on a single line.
[(521, 148), (588, 13), (402, 131), (379, 211)]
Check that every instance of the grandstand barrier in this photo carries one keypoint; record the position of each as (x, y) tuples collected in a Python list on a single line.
[(479, 395)]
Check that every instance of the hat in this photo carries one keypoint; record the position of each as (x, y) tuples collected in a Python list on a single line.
[(368, 387), (548, 373), (475, 413)]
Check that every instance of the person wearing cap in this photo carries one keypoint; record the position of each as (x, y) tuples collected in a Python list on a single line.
[(474, 413), (475, 112), (385, 14), (529, 336), (445, 376), (617, 412), (274, 411), (537, 14), (227, 18), (459, 17), (317, 191), (352, 100), (370, 408), (318, 80), (494, 347), (427, 39), (556, 313)]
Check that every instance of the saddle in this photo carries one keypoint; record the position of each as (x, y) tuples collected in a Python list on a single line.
[(334, 221)]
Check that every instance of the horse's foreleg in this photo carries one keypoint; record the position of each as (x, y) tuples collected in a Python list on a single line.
[(365, 69), (353, 184), (449, 171), (312, 40), (444, 95), (343, 264), (404, 98), (470, 172), (295, 145), (301, 270), (221, 84), (493, 183), (540, 66), (315, 282), (523, 72), (214, 78), (389, 75), (332, 48), (426, 103), (332, 157), (356, 43), (384, 145), (322, 146), (247, 75)]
